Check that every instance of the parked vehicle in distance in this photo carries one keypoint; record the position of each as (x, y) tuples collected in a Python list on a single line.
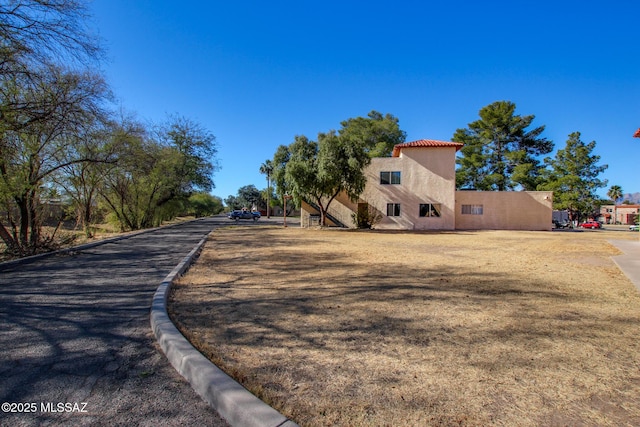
[(244, 214), (634, 227), (590, 224), (561, 224)]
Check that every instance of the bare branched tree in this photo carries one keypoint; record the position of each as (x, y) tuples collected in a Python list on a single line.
[(38, 141), (37, 32), (49, 94)]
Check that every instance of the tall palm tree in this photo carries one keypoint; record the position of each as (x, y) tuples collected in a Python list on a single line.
[(267, 169), (614, 193)]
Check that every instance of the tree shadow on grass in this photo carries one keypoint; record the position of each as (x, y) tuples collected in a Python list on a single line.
[(251, 311), (284, 302)]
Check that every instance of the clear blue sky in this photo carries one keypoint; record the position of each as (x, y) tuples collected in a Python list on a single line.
[(257, 73)]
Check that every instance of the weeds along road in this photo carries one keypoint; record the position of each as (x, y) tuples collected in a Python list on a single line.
[(76, 347)]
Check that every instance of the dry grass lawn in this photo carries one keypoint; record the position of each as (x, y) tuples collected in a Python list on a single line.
[(355, 328)]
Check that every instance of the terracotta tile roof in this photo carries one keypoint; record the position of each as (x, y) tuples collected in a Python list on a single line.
[(425, 143), (637, 134)]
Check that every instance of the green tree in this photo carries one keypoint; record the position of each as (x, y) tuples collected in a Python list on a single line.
[(81, 181), (615, 193), (573, 177), (38, 142), (197, 154), (278, 175), (377, 133), (267, 169), (247, 197), (319, 171), (203, 204), (499, 152), (269, 196), (154, 177), (232, 202), (142, 177), (251, 196), (43, 107)]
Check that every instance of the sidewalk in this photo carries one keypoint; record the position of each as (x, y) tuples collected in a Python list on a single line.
[(629, 262)]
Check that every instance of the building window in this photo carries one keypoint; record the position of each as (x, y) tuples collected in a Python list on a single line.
[(431, 210), (390, 177), (393, 209), (472, 209)]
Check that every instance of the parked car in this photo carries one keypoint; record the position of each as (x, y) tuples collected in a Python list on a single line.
[(561, 224), (243, 214), (590, 224), (634, 227)]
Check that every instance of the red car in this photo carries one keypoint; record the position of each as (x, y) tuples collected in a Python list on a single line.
[(590, 224)]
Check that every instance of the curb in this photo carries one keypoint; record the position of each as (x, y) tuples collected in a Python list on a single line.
[(230, 399)]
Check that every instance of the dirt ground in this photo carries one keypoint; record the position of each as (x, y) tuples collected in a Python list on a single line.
[(354, 328)]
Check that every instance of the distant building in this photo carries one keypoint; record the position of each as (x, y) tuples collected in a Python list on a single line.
[(619, 214), (415, 189)]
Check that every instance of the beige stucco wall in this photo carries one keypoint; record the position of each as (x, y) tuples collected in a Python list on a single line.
[(505, 210), (625, 214), (341, 208), (427, 176)]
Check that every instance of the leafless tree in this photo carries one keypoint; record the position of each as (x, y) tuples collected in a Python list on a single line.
[(37, 32)]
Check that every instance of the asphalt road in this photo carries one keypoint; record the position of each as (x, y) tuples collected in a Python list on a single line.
[(76, 346)]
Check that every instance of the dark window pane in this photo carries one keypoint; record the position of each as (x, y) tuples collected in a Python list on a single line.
[(393, 209), (384, 178), (395, 177)]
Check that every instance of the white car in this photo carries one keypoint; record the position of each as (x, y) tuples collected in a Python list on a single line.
[(634, 227)]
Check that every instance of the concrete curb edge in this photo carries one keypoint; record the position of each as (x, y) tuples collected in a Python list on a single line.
[(230, 399)]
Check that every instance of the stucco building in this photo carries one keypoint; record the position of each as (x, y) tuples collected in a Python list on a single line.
[(415, 189), (619, 214)]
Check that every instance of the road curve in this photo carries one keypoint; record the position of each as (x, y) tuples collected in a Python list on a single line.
[(75, 342)]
